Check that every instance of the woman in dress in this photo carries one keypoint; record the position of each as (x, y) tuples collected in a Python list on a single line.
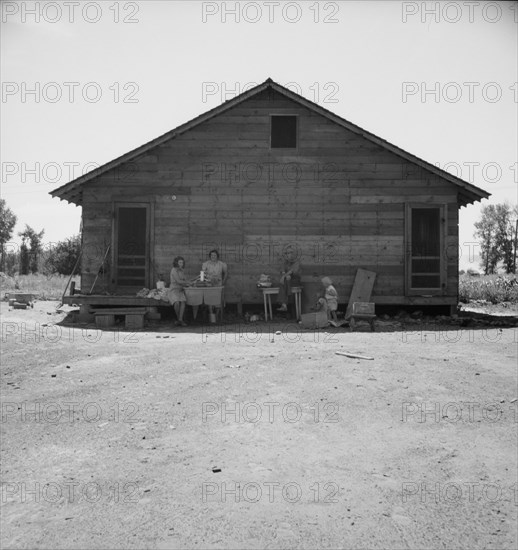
[(176, 293), (215, 270)]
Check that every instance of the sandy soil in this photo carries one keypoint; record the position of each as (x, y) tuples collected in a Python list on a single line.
[(179, 438)]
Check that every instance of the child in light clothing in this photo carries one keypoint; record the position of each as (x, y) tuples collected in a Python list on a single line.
[(331, 297)]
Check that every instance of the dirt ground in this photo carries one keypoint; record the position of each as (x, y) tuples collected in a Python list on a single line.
[(258, 436)]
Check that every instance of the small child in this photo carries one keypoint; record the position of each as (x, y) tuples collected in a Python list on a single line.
[(331, 297), (160, 284)]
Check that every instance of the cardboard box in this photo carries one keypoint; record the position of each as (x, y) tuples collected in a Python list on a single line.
[(314, 320)]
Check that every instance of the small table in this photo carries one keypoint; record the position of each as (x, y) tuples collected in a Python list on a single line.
[(208, 295), (297, 292), (267, 298)]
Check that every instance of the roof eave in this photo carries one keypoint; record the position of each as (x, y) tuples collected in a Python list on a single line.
[(473, 192)]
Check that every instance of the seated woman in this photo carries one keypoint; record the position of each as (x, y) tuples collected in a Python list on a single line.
[(215, 270), (176, 293), (290, 276)]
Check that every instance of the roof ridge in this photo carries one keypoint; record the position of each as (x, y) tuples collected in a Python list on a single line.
[(268, 83)]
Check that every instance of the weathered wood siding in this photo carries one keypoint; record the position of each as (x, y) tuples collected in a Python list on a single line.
[(338, 198)]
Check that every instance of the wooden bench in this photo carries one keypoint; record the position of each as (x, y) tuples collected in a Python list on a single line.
[(133, 317), (362, 311)]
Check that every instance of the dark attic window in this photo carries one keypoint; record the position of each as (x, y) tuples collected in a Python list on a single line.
[(284, 132)]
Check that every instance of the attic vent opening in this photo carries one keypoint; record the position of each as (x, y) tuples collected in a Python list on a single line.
[(283, 132)]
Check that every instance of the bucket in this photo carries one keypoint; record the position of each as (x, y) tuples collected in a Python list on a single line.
[(212, 317)]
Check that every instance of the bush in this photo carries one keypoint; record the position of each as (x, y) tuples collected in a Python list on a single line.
[(491, 288), (63, 256)]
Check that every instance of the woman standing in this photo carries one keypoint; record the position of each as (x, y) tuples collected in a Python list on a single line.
[(216, 272), (176, 293)]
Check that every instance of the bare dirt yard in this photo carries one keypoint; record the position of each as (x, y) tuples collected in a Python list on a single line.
[(237, 436)]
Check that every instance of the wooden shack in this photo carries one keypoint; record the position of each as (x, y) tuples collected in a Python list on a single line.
[(267, 171)]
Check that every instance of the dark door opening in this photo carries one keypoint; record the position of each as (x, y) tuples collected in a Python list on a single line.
[(132, 253), (425, 264)]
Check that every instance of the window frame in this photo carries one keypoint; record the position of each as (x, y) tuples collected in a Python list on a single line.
[(296, 131)]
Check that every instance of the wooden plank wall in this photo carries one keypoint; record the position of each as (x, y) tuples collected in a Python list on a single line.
[(339, 199)]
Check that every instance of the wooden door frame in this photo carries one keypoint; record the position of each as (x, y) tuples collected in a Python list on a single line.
[(443, 264), (123, 202)]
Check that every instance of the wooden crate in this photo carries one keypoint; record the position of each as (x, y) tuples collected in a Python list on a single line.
[(314, 320), (363, 308), (362, 311), (134, 321), (104, 320)]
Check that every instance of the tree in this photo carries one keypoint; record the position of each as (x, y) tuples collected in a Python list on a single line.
[(505, 239), (29, 256), (7, 223), (497, 234), (63, 256), (485, 230)]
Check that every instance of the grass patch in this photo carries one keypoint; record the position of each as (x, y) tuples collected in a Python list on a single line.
[(490, 288), (45, 287), (494, 289)]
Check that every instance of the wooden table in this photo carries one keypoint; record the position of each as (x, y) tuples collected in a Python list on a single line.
[(267, 299), (207, 295)]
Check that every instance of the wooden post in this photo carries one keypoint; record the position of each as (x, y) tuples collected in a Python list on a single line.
[(97, 276), (70, 278)]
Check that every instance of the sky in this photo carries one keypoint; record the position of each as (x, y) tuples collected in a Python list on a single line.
[(85, 82)]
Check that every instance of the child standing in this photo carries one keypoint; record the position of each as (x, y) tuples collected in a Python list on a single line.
[(331, 297)]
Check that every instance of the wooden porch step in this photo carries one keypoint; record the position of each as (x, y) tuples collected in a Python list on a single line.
[(133, 317), (118, 310)]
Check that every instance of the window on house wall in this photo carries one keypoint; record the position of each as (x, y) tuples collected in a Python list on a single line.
[(283, 132), (425, 266)]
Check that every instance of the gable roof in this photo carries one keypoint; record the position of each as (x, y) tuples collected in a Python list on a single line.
[(72, 191)]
